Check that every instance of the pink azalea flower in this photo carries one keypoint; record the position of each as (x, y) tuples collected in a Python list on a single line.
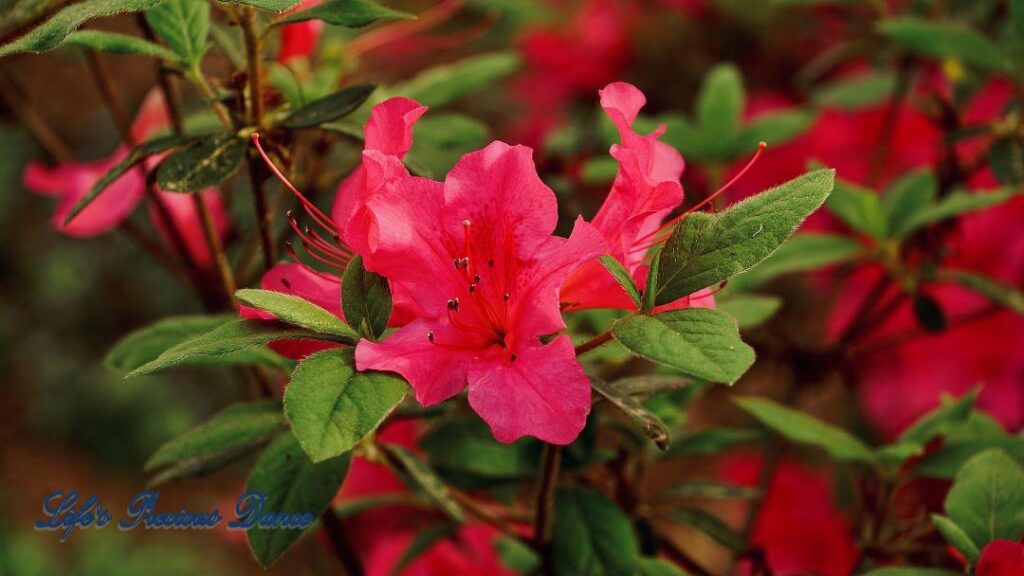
[(70, 181), (799, 527), (388, 131), (475, 258), (1001, 558), (300, 39), (645, 191)]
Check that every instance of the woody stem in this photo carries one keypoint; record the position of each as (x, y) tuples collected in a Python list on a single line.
[(256, 174), (593, 343), (545, 505)]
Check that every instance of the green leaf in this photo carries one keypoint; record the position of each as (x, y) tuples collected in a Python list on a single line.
[(465, 445), (444, 84), (647, 384), (277, 6), (621, 275), (857, 92), (417, 475), (706, 249), (997, 292), (750, 310), (956, 204), (443, 138), (775, 128), (1017, 16), (945, 39), (295, 310), (710, 491), (929, 313), (699, 342), (945, 462), (347, 13), (720, 102), (184, 25), (859, 208), (365, 298), (987, 498), (228, 339), (651, 425), (805, 429), (599, 170), (591, 536), (658, 567), (956, 537), (136, 155), (53, 31), (332, 406), (906, 197), (710, 525), (1006, 159), (146, 344), (229, 434), (910, 571), (711, 441), (651, 293), (291, 484), (950, 415), (802, 253), (114, 43), (202, 164), (328, 108), (424, 540)]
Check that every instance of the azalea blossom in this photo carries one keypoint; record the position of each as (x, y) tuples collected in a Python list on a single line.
[(477, 261), (388, 131), (645, 191), (70, 181), (300, 39)]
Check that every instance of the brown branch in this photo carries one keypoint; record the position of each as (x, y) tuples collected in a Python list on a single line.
[(593, 343), (12, 94), (544, 508), (340, 546)]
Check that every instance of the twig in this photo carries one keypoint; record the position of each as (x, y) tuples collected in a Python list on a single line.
[(544, 509), (256, 174), (340, 546), (468, 503), (593, 343), (13, 96)]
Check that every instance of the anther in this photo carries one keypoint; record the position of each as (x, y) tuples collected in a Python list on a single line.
[(286, 283), (490, 263), (453, 304), (472, 287), (512, 358), (476, 279), (458, 264), (430, 336), (466, 223), (506, 297)]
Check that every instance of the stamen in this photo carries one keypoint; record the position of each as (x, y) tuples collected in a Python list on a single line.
[(286, 283), (453, 304), (430, 336), (315, 212)]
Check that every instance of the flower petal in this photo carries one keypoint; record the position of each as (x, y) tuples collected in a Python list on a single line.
[(543, 393)]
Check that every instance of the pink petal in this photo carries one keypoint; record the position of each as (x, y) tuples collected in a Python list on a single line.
[(435, 370), (151, 117), (71, 181), (182, 211), (389, 131), (543, 393), (299, 40)]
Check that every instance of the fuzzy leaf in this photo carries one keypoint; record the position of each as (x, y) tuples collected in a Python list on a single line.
[(802, 253), (621, 275), (956, 537), (945, 39), (805, 429), (706, 249), (651, 425), (294, 310), (775, 128), (466, 446), (950, 415), (906, 197), (229, 434), (347, 13), (229, 339), (860, 208), (443, 84), (953, 205), (699, 342), (328, 108), (56, 29), (710, 525), (591, 536), (417, 475), (987, 498), (711, 441), (184, 25), (146, 344), (114, 43), (292, 484), (857, 92), (332, 406), (277, 6), (750, 310), (202, 164), (365, 298), (997, 292), (720, 102)]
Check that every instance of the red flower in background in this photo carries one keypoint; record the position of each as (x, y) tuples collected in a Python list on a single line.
[(571, 61), (1001, 558), (799, 528), (299, 39), (71, 181)]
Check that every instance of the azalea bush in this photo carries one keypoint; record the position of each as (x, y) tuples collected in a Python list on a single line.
[(597, 287)]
